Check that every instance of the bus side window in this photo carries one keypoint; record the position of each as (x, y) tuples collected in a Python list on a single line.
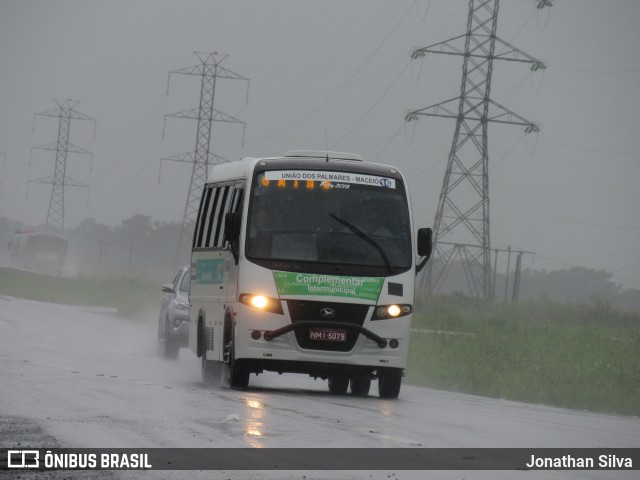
[(216, 202), (235, 206)]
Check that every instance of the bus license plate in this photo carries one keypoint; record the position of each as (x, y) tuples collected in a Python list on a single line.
[(328, 334)]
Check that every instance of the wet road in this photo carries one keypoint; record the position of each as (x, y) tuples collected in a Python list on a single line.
[(83, 377)]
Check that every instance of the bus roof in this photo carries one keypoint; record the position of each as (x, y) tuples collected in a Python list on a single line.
[(324, 154), (313, 159)]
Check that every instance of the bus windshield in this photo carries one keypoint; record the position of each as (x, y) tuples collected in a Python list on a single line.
[(346, 223)]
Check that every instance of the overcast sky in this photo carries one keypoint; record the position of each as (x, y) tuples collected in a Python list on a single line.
[(341, 70)]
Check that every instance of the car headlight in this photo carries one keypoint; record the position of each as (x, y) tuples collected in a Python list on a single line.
[(261, 302), (182, 305), (391, 311)]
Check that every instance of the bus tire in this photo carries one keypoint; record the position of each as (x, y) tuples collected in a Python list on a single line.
[(389, 381), (360, 386), (238, 373), (338, 384)]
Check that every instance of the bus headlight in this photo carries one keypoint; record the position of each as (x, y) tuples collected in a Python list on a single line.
[(391, 311), (261, 302)]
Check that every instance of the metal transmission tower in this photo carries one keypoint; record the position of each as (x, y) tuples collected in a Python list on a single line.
[(64, 113), (209, 70), (461, 227)]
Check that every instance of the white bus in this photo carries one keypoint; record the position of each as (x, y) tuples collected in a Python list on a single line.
[(305, 263)]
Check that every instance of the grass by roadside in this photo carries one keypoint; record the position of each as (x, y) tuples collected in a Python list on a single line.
[(539, 351), (128, 295)]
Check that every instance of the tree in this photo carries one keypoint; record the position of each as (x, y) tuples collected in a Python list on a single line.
[(134, 228), (574, 284)]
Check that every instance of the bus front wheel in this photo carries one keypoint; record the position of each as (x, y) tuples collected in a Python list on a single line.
[(238, 372), (389, 381)]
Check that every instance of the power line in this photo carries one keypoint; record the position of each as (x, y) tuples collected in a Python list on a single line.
[(149, 119), (593, 179), (342, 52), (568, 219), (591, 149), (343, 86), (589, 105), (589, 70), (596, 40), (374, 105)]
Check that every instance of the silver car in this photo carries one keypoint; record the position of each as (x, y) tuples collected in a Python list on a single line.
[(173, 321)]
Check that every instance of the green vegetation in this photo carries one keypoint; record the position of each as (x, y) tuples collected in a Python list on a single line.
[(128, 295), (580, 356)]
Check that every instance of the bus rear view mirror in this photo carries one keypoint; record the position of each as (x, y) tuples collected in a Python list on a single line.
[(425, 246), (425, 242)]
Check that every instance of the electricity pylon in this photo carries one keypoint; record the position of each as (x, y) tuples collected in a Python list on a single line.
[(461, 227), (64, 113), (209, 70)]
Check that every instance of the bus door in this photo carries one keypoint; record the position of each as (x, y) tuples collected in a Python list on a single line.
[(213, 267)]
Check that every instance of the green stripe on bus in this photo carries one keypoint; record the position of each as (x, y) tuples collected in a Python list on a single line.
[(291, 283)]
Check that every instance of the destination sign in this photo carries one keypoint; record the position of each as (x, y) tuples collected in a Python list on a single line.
[(328, 176)]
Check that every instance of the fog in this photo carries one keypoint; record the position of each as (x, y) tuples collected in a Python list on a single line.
[(334, 75)]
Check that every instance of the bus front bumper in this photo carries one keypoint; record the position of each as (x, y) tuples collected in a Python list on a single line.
[(271, 334)]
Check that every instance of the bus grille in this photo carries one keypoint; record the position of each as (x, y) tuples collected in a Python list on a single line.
[(344, 313)]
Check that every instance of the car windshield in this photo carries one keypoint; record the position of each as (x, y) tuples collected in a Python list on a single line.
[(184, 284), (348, 221)]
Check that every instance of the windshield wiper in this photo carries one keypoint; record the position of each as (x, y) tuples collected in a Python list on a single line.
[(366, 238)]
